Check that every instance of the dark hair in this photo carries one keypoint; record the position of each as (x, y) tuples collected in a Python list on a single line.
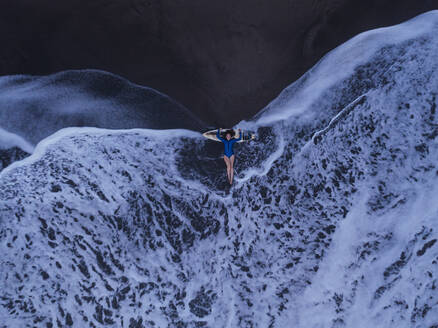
[(229, 132)]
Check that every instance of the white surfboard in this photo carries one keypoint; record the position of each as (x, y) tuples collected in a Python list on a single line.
[(246, 135)]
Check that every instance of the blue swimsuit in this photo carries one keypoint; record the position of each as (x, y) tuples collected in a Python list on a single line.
[(228, 144)]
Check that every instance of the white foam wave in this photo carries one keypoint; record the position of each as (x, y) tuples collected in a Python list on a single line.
[(339, 64), (10, 140)]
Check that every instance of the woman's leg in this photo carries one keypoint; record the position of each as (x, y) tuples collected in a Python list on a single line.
[(231, 169), (227, 162)]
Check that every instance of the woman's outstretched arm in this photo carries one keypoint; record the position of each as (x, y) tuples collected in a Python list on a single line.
[(218, 135)]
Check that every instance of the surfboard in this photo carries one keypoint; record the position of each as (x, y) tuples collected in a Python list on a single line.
[(246, 135)]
